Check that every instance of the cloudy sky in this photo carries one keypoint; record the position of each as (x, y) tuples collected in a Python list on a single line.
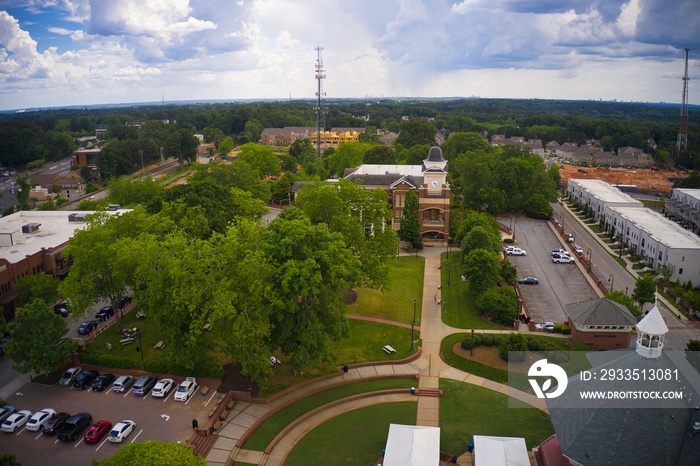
[(74, 52)]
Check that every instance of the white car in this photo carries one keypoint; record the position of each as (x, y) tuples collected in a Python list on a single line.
[(17, 420), (579, 250), (557, 259), (560, 252), (162, 388), (37, 421), (516, 252), (186, 389), (121, 431)]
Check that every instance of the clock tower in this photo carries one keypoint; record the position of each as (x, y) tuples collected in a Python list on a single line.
[(434, 171)]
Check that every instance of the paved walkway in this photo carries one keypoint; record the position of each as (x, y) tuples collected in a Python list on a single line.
[(429, 366)]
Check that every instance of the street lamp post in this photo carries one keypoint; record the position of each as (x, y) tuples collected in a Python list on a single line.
[(143, 169), (471, 351), (611, 279), (449, 274), (140, 347), (413, 324), (589, 259)]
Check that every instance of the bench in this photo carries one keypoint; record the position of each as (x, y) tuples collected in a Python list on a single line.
[(207, 327), (223, 414), (211, 413), (205, 389), (160, 345), (140, 314), (216, 426), (388, 349), (126, 341), (230, 404)]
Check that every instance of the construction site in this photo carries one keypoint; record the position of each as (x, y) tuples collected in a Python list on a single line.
[(642, 180)]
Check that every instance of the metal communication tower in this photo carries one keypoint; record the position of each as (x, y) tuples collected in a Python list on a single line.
[(319, 95), (682, 141)]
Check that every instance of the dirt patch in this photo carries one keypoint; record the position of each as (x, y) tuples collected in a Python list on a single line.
[(350, 296), (645, 180), (488, 356), (235, 380)]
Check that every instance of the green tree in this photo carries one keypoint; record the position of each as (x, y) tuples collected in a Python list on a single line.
[(42, 286), (644, 290), (35, 335), (125, 191), (261, 158), (380, 155), (253, 130), (554, 174), (473, 219), (482, 269), (348, 155), (513, 347), (416, 154), (409, 228), (538, 206), (509, 273), (619, 296), (369, 135), (152, 453), (301, 149), (416, 131), (181, 145), (22, 191), (8, 460), (462, 143), (226, 146), (480, 238), (500, 303), (312, 270)]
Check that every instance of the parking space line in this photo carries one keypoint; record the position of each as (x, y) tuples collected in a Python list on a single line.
[(192, 396), (210, 398), (107, 391), (20, 431), (137, 436), (40, 434), (127, 392), (79, 442), (103, 442), (166, 398)]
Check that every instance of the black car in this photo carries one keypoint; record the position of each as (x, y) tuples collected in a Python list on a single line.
[(144, 385), (87, 327), (528, 281), (61, 309), (74, 426), (105, 313), (54, 423), (102, 382), (85, 379)]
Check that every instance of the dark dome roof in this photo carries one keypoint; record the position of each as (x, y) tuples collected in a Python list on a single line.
[(435, 154)]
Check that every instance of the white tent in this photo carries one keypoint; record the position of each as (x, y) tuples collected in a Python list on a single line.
[(412, 446), (500, 451)]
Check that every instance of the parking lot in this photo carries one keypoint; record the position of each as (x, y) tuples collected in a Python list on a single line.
[(156, 419), (559, 284)]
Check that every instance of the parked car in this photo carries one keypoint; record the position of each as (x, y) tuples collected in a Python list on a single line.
[(516, 252), (579, 250), (144, 385), (87, 327), (186, 389), (557, 259), (16, 420), (546, 326), (105, 313), (85, 379), (38, 419), (508, 248), (61, 309), (69, 376), (121, 431), (122, 383), (97, 431), (73, 426), (528, 281), (6, 411), (162, 388), (103, 382), (571, 238), (54, 423), (560, 252)]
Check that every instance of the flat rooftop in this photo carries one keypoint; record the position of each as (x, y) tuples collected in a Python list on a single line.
[(54, 229), (605, 192), (405, 170), (659, 227), (694, 193)]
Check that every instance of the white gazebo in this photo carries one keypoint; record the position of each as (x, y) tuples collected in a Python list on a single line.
[(500, 451), (412, 446), (650, 334)]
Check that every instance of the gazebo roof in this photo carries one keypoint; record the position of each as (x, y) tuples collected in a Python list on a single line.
[(653, 323)]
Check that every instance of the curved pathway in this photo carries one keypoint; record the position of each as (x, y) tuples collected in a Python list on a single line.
[(429, 366)]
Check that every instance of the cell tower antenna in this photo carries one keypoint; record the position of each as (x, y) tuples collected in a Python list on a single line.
[(162, 98), (682, 141), (320, 76)]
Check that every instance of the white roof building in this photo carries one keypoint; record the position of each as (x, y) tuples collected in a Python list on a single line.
[(598, 194)]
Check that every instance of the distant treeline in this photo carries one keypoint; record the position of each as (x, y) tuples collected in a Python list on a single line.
[(50, 134)]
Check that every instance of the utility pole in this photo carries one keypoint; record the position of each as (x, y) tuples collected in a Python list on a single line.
[(682, 141), (319, 95)]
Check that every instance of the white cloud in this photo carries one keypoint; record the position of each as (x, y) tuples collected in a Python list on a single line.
[(60, 31)]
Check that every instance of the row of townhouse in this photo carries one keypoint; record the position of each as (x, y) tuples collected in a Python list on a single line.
[(684, 208), (592, 155), (660, 240)]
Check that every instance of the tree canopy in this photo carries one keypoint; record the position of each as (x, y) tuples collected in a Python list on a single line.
[(152, 453)]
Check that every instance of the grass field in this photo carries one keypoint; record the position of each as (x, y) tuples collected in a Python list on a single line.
[(396, 303), (264, 434), (467, 410), (354, 438), (458, 308)]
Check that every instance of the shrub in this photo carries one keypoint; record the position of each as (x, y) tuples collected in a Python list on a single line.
[(487, 340), (533, 345), (561, 357), (562, 328), (477, 340), (509, 240), (466, 343), (513, 347), (109, 360), (497, 340)]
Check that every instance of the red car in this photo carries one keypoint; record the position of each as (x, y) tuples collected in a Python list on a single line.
[(97, 431)]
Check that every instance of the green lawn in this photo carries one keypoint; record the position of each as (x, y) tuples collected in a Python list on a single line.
[(458, 308), (264, 434), (353, 438), (467, 410), (396, 303), (487, 372)]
